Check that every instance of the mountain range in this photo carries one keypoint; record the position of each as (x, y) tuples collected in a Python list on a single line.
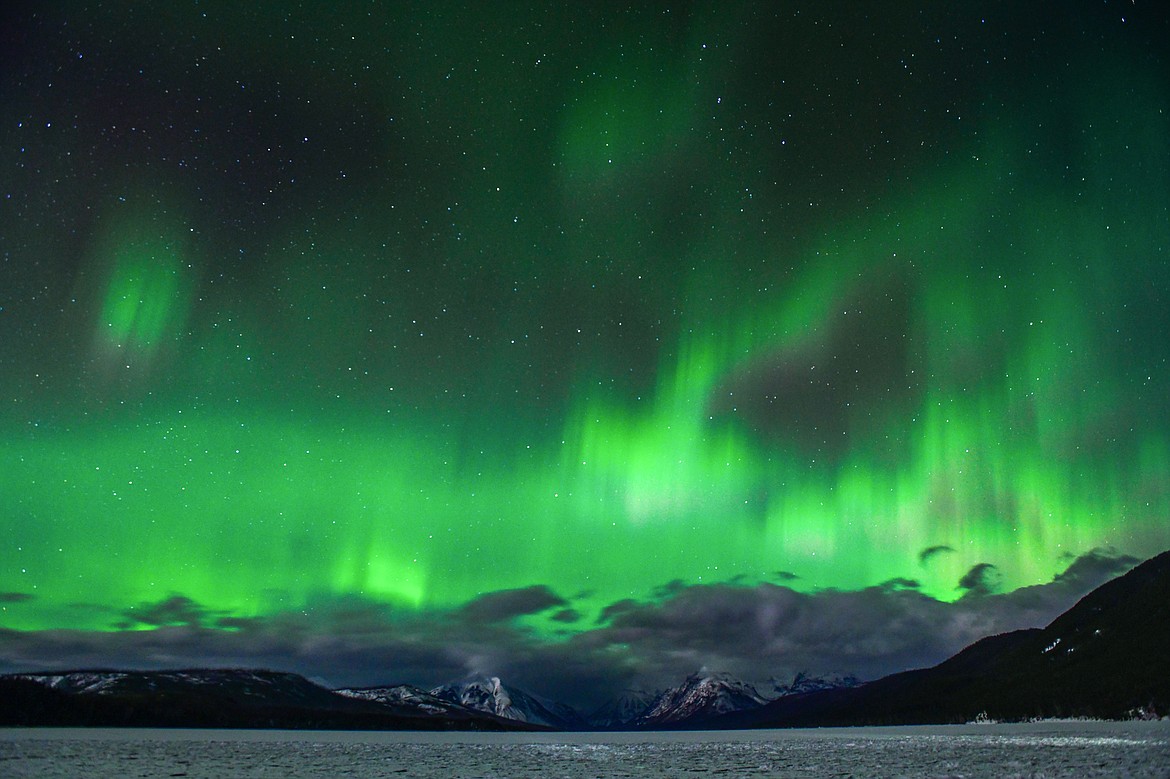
[(480, 694), (269, 699), (1106, 658), (230, 698)]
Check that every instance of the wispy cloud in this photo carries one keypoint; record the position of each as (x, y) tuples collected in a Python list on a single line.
[(982, 579), (931, 552), (508, 604)]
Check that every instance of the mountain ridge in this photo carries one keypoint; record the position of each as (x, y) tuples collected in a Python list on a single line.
[(227, 698), (1104, 658), (488, 694)]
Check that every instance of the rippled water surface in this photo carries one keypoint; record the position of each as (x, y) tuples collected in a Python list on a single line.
[(1066, 749)]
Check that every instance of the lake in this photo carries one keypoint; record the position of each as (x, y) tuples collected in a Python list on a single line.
[(1048, 749)]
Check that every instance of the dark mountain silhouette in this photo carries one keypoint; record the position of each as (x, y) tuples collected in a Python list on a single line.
[(211, 699), (1106, 657)]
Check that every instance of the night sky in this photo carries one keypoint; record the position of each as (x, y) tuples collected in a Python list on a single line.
[(588, 345)]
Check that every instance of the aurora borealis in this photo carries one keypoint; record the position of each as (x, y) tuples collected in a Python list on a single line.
[(415, 311)]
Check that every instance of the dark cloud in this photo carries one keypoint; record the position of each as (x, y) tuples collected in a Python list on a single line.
[(982, 579), (670, 589), (855, 361), (785, 576), (15, 597), (771, 630), (1096, 567), (566, 615), (507, 604), (756, 632), (352, 615), (616, 608), (175, 610), (898, 583), (930, 552)]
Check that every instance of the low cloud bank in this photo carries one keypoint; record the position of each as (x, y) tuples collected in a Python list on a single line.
[(755, 632)]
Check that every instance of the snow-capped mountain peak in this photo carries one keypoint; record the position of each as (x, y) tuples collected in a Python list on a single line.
[(804, 682), (78, 681), (489, 694), (701, 696), (402, 695)]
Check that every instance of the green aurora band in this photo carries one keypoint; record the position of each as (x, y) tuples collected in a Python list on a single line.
[(1003, 462), (1014, 412)]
